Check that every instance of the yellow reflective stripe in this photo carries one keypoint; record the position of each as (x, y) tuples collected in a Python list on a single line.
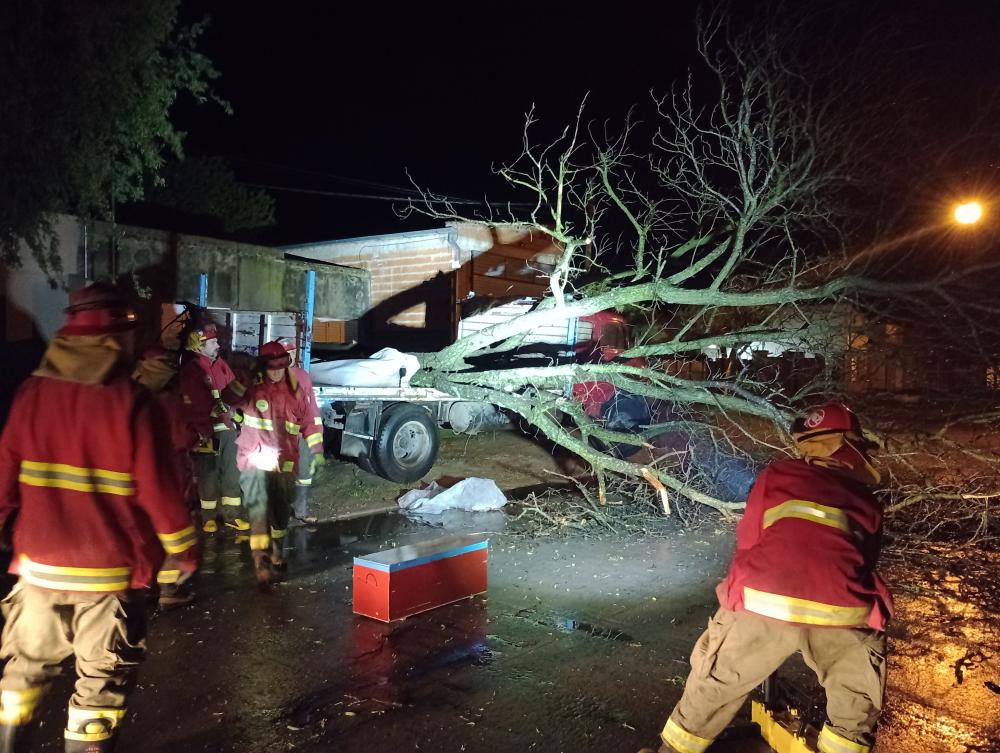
[(237, 388), (304, 481), (63, 468), (264, 424), (168, 577), (179, 541), (231, 501), (88, 737), (60, 570), (292, 428), (207, 450), (18, 706), (74, 578), (75, 714), (789, 609), (317, 421), (260, 541), (209, 504), (76, 478), (830, 742), (314, 439), (216, 394), (219, 427), (811, 511), (675, 735), (288, 466), (278, 533)]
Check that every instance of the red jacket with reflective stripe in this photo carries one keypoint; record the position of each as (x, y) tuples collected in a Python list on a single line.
[(203, 388), (312, 423), (274, 415), (806, 550), (87, 470)]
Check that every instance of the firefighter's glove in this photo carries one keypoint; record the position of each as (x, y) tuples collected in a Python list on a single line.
[(317, 462)]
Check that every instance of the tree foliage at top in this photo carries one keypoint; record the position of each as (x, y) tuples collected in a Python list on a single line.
[(87, 92), (207, 186)]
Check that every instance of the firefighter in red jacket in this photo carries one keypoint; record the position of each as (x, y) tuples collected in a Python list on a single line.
[(157, 372), (275, 414), (802, 579), (93, 509), (207, 385), (308, 459)]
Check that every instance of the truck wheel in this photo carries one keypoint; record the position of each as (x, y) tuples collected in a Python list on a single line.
[(407, 443)]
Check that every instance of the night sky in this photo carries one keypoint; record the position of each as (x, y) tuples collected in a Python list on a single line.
[(342, 96)]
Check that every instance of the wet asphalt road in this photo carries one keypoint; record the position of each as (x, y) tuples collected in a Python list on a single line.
[(580, 645)]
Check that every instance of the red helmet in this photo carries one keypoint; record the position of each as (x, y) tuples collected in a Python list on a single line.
[(828, 419), (274, 356), (97, 309), (202, 334)]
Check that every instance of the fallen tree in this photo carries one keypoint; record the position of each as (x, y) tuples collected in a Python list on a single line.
[(722, 225)]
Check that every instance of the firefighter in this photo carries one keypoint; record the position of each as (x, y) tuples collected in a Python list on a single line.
[(157, 372), (802, 579), (92, 510), (207, 388), (275, 415), (305, 470)]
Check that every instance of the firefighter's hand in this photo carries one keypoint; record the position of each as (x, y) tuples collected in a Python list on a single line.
[(317, 462)]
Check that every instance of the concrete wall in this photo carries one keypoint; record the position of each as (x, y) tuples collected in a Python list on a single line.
[(240, 276), (163, 267)]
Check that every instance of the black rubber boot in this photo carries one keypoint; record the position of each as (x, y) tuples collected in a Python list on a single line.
[(16, 738), (90, 746), (263, 569), (300, 507)]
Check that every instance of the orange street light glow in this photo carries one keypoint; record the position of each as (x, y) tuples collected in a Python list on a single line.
[(968, 213)]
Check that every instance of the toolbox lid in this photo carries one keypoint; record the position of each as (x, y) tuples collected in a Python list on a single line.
[(413, 555)]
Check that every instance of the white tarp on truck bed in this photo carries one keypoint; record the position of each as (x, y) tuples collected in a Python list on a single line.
[(381, 370)]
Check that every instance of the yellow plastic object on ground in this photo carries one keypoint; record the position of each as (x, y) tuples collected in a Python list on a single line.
[(780, 738)]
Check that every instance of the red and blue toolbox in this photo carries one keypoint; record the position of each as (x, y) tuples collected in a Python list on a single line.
[(397, 583)]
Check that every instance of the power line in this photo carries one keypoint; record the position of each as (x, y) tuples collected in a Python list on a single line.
[(375, 197), (344, 179)]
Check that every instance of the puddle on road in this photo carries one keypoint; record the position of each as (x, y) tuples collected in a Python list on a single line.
[(571, 625), (416, 663)]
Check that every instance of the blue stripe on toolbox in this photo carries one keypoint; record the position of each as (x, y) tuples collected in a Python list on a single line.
[(417, 561)]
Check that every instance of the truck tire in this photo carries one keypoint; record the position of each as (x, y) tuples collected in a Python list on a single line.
[(406, 445)]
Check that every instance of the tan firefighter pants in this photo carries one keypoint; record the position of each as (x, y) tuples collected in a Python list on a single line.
[(268, 498), (106, 632), (218, 479), (740, 650)]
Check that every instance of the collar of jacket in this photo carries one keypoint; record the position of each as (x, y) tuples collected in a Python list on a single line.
[(850, 461), (85, 359), (154, 374)]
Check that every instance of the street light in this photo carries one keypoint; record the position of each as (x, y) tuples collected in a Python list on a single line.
[(968, 213)]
